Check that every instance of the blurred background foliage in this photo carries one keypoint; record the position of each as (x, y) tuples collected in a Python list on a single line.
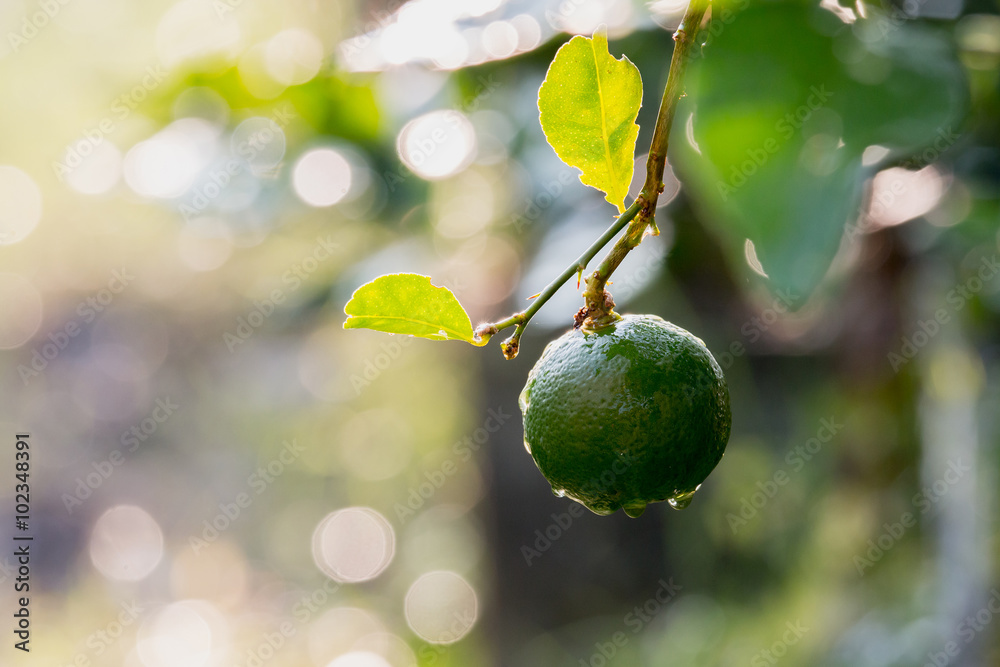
[(223, 476)]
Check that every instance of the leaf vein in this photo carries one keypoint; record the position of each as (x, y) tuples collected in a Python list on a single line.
[(433, 325), (604, 125)]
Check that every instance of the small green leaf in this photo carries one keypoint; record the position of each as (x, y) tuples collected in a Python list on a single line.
[(588, 104), (407, 303)]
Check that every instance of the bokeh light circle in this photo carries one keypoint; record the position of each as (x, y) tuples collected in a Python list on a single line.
[(441, 607), (360, 659), (126, 543), (322, 177), (392, 648), (353, 544), (167, 164), (181, 633), (338, 631), (529, 32), (293, 57), (438, 144), (500, 39)]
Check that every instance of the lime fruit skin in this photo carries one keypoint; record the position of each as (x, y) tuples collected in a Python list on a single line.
[(633, 413)]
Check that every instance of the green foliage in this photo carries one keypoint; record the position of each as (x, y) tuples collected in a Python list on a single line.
[(780, 126), (786, 99), (335, 104), (407, 303), (339, 106), (588, 104)]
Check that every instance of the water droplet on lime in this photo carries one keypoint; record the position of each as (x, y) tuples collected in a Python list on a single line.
[(682, 500), (635, 510)]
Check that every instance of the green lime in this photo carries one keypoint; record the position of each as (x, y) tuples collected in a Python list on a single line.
[(633, 413)]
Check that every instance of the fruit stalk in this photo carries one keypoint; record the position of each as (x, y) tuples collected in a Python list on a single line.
[(520, 320), (598, 303)]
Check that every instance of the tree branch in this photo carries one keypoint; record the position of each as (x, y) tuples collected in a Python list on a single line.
[(520, 320), (598, 302), (598, 309)]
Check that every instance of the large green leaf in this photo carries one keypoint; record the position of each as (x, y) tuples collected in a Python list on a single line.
[(407, 303), (588, 104), (786, 98)]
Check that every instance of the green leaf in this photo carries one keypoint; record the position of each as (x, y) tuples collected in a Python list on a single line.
[(786, 98), (407, 303), (588, 104)]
